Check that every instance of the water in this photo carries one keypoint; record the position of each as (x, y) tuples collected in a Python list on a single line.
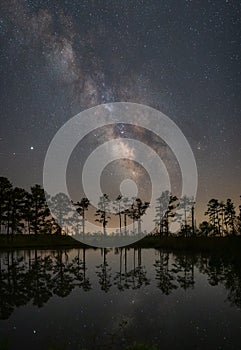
[(110, 299)]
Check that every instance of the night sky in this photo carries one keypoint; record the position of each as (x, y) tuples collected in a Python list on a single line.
[(180, 57)]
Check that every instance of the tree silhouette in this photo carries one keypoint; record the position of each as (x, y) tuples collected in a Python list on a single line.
[(39, 209), (141, 208), (162, 205), (204, 228), (76, 224), (239, 220), (27, 212), (5, 190), (222, 218), (230, 215), (136, 211), (17, 200), (131, 212), (186, 204), (125, 211), (213, 214), (102, 212), (60, 205), (119, 210), (170, 212), (82, 206)]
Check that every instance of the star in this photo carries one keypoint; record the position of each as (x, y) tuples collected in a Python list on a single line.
[(60, 60)]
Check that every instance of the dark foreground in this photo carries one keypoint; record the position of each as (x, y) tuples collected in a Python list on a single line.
[(38, 241), (207, 244)]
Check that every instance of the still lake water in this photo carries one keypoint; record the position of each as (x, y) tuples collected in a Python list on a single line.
[(109, 299)]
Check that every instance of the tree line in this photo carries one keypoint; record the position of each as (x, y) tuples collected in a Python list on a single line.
[(24, 211), (28, 212)]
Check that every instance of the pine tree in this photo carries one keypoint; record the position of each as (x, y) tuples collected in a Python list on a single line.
[(61, 206), (162, 205), (170, 212), (102, 212), (213, 214), (5, 194), (82, 206), (118, 207), (230, 215), (17, 201), (39, 211)]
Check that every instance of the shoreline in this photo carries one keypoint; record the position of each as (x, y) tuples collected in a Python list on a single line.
[(195, 244)]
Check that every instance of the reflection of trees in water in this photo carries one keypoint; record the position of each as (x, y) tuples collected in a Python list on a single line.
[(225, 271), (183, 267), (79, 269), (36, 276), (136, 276), (164, 275), (63, 279), (38, 280), (213, 268), (11, 275), (218, 269), (104, 272), (233, 285), (138, 273)]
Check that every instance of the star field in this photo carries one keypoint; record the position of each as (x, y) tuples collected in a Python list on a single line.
[(180, 57)]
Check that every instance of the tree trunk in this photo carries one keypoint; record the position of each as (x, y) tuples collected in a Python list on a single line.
[(120, 223), (139, 226), (125, 223), (83, 224), (193, 222)]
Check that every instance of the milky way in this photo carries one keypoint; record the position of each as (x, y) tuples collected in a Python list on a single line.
[(181, 57)]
